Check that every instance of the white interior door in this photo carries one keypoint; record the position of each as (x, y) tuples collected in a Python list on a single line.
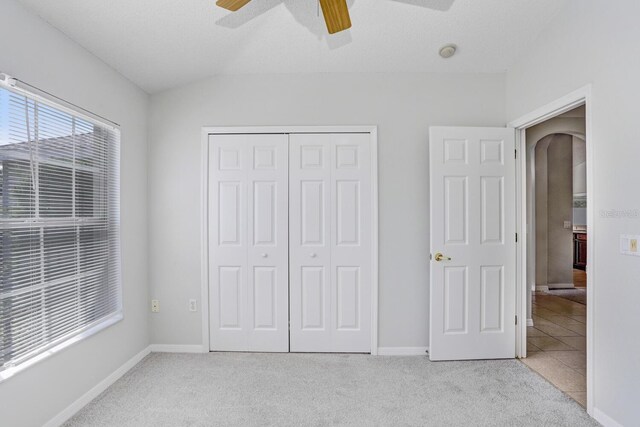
[(330, 242), (248, 243), (472, 297)]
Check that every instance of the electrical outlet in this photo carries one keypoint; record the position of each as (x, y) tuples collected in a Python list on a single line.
[(155, 306), (629, 244), (193, 305)]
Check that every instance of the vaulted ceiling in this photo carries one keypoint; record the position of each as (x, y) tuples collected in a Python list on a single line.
[(160, 44)]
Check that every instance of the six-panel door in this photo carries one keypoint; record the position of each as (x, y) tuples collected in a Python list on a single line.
[(472, 298), (290, 241), (248, 243), (330, 242)]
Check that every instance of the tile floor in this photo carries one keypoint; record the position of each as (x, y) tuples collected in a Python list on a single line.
[(556, 344)]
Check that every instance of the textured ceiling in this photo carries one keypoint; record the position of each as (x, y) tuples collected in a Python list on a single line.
[(160, 44)]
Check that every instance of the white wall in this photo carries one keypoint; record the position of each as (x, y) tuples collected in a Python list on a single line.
[(559, 210), (402, 105), (33, 51), (594, 41)]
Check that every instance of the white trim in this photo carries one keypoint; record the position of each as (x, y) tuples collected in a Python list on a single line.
[(204, 238), (15, 85), (81, 402), (521, 249), (529, 322), (374, 241), (605, 419), (63, 343), (204, 201), (402, 351), (553, 109), (176, 348), (230, 130)]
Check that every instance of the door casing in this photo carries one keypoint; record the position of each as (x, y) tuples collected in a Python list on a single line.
[(568, 102), (204, 203)]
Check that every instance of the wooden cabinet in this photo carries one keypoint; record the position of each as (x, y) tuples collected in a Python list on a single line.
[(580, 251)]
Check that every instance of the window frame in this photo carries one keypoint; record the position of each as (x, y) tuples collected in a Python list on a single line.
[(75, 220)]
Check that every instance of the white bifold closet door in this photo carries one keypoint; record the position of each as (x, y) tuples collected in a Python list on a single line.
[(330, 242), (248, 264)]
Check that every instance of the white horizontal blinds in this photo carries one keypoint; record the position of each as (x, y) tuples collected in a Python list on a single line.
[(59, 226)]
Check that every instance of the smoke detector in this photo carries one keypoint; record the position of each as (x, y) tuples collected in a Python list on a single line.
[(448, 51)]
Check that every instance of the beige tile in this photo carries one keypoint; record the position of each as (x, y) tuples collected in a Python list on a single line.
[(579, 396), (565, 321), (531, 348), (538, 355), (579, 343), (549, 343), (580, 328), (535, 332), (537, 320), (582, 319), (544, 313), (573, 359), (557, 331), (557, 373)]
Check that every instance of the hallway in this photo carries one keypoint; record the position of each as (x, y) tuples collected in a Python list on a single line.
[(556, 344)]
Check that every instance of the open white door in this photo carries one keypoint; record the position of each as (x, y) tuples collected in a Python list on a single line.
[(473, 243)]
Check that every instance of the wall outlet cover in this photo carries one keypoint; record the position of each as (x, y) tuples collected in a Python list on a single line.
[(155, 306), (629, 244)]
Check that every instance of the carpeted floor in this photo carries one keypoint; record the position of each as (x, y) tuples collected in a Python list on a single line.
[(245, 389)]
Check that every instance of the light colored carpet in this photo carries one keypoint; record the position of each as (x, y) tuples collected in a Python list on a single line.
[(228, 389)]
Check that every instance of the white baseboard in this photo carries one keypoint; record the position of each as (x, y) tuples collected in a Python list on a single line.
[(80, 403), (176, 348), (402, 351), (604, 419), (529, 322), (542, 288)]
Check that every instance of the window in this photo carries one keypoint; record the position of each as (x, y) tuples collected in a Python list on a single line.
[(59, 227)]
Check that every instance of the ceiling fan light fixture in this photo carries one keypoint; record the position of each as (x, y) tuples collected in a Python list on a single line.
[(448, 51)]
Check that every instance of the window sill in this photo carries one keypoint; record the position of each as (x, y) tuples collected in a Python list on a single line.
[(57, 348)]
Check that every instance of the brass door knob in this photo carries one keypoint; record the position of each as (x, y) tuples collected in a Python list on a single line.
[(440, 257)]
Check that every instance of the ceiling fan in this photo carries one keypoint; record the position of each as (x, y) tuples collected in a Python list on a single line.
[(336, 12)]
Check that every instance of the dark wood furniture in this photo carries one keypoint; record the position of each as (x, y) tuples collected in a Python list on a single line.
[(580, 251)]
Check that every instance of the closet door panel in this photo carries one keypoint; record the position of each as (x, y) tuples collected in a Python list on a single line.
[(227, 242), (351, 242), (248, 245), (268, 255), (309, 243), (330, 242)]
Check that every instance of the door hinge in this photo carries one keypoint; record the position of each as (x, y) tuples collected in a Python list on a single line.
[(516, 320), (516, 154), (430, 256), (516, 237)]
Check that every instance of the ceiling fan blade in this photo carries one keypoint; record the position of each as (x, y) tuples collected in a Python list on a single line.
[(336, 15), (232, 5)]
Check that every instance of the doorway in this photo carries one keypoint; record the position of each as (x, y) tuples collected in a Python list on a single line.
[(556, 218)]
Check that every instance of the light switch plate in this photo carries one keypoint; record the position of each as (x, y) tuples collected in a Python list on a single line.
[(629, 244), (567, 225)]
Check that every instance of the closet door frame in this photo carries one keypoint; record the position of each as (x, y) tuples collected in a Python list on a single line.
[(204, 203)]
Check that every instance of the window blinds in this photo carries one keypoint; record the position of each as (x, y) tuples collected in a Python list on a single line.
[(59, 225)]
